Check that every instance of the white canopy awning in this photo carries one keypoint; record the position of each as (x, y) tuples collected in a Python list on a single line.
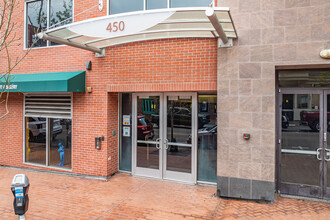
[(99, 33)]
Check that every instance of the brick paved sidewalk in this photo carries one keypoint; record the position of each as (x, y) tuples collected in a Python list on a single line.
[(55, 196)]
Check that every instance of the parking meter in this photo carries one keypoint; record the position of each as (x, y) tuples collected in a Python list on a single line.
[(20, 187)]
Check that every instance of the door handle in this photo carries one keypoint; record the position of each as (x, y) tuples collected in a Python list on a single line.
[(327, 158), (157, 143), (166, 143), (318, 153)]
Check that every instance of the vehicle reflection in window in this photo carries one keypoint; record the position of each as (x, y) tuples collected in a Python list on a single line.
[(145, 128), (300, 139), (36, 140), (60, 145), (147, 152), (207, 138)]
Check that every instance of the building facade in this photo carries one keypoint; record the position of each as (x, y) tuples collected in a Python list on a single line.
[(164, 97)]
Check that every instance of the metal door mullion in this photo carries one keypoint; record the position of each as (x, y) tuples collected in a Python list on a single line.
[(321, 124), (279, 141), (48, 139), (164, 126), (161, 134), (325, 142)]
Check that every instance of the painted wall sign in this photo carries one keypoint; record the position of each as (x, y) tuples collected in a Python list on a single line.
[(8, 87), (116, 26)]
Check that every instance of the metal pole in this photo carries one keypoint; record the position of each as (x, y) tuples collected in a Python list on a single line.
[(44, 36), (217, 26)]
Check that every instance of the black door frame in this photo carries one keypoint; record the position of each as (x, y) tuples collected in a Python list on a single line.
[(300, 190)]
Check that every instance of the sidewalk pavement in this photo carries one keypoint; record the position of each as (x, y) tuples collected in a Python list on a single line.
[(57, 196)]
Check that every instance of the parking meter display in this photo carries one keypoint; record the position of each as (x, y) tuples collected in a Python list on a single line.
[(19, 192)]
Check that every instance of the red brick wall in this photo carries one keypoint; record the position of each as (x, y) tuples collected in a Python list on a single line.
[(158, 65), (11, 131)]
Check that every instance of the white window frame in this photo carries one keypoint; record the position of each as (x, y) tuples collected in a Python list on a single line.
[(47, 131), (48, 12)]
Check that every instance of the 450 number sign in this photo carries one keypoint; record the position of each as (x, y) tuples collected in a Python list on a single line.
[(116, 26)]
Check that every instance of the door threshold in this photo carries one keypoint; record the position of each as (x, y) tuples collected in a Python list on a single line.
[(204, 183), (304, 198), (168, 180)]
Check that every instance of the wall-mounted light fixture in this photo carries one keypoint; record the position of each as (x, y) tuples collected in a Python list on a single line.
[(98, 141), (325, 54), (88, 65), (100, 5)]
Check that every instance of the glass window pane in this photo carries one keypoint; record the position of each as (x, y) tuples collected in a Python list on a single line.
[(60, 13), (207, 138), (35, 147), (36, 22), (125, 150), (304, 78), (121, 6), (147, 132), (156, 4), (300, 139), (60, 142), (190, 3), (179, 130)]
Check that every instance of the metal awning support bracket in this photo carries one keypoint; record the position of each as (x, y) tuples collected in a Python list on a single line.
[(228, 44), (100, 55)]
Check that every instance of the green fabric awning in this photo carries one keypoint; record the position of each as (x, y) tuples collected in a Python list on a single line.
[(46, 82)]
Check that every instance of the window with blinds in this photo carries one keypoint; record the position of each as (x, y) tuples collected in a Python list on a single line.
[(52, 106), (48, 130)]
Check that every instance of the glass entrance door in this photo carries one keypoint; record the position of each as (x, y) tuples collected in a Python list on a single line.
[(147, 135), (303, 140), (164, 132), (180, 130)]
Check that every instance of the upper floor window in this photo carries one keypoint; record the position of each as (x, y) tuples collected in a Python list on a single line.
[(45, 14), (121, 6)]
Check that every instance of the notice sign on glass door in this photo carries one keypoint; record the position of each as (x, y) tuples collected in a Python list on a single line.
[(126, 120), (126, 131)]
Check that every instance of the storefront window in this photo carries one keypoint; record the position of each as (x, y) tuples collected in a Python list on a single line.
[(121, 6), (207, 138), (36, 140), (60, 144), (38, 19), (48, 138)]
